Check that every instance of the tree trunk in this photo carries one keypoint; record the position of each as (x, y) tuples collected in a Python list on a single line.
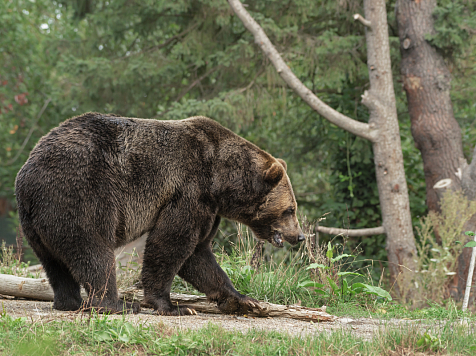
[(382, 131), (392, 185), (426, 81), (437, 135)]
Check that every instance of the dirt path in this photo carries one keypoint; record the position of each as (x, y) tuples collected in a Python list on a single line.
[(362, 327)]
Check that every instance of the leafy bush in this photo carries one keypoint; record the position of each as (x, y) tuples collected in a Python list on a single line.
[(335, 283)]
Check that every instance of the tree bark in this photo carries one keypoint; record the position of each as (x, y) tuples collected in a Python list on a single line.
[(437, 135), (382, 131), (427, 83), (392, 185), (40, 289)]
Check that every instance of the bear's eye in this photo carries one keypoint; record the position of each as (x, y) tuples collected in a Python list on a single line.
[(289, 211)]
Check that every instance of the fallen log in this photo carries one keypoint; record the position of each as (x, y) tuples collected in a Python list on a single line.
[(200, 303), (40, 289), (31, 288)]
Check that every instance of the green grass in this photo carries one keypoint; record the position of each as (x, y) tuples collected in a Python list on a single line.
[(99, 335)]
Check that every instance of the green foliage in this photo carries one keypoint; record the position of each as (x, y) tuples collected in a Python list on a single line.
[(171, 60), (429, 342), (129, 273), (437, 260), (273, 281), (25, 106), (104, 330), (470, 244), (454, 22), (103, 335), (337, 284), (10, 264)]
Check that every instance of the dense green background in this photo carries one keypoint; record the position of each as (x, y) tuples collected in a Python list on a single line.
[(175, 59)]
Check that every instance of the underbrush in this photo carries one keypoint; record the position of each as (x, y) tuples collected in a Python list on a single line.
[(308, 275), (10, 263), (437, 259), (100, 335)]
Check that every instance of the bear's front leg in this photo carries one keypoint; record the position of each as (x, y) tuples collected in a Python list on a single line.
[(204, 273), (169, 244)]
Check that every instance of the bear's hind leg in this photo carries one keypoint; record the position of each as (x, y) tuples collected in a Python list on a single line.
[(66, 289)]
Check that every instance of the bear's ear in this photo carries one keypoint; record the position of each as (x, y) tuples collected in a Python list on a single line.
[(282, 163), (274, 174)]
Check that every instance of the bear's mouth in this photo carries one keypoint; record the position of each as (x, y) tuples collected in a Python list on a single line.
[(277, 240)]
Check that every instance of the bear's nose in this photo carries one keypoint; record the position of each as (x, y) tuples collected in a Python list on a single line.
[(301, 237)]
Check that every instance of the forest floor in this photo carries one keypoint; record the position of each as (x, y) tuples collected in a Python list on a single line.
[(365, 328)]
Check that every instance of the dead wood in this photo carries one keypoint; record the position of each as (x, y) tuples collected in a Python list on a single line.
[(40, 289)]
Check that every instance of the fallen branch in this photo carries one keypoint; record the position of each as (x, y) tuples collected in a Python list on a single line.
[(31, 288), (199, 303), (40, 289), (351, 232)]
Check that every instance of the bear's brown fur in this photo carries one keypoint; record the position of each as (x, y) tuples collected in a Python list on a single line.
[(99, 181)]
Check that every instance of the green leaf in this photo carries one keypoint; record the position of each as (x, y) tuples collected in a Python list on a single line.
[(349, 274), (329, 253), (471, 244), (469, 233), (321, 291), (103, 336), (345, 287), (124, 338), (338, 258), (309, 283), (316, 265), (366, 288), (334, 286)]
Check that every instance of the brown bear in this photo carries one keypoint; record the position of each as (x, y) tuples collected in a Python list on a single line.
[(98, 181)]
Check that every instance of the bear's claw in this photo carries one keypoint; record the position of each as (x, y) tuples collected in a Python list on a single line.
[(180, 311), (238, 305), (192, 311)]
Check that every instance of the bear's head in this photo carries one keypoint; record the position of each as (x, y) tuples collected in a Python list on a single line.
[(275, 216)]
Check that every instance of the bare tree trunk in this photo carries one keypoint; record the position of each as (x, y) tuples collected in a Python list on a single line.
[(426, 81), (382, 131), (392, 185), (437, 135)]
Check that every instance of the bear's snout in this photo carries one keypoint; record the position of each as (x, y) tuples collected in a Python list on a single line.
[(301, 237)]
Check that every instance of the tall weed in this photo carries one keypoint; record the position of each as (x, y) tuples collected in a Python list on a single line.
[(437, 260), (10, 263)]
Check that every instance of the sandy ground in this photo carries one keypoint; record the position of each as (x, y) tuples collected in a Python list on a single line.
[(363, 327)]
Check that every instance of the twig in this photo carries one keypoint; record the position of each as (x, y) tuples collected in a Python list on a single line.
[(470, 278), (364, 22), (261, 71), (166, 43), (19, 244), (351, 232), (29, 132), (191, 86)]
